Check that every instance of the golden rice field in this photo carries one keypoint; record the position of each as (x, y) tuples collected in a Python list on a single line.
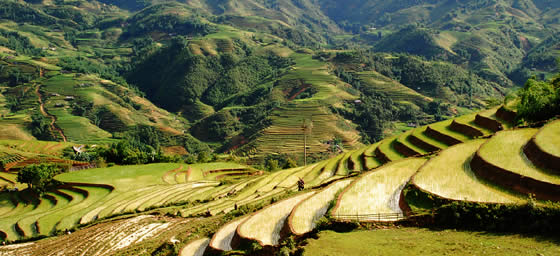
[(304, 217), (505, 149), (222, 239), (195, 248), (265, 225), (449, 175), (377, 192), (548, 138)]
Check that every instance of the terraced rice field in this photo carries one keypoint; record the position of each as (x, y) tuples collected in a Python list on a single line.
[(505, 150), (443, 127), (449, 175), (195, 248), (222, 239), (377, 193), (469, 120), (37, 147), (548, 138), (102, 239), (305, 215), (387, 148), (265, 225), (127, 189), (421, 135), (394, 90), (286, 134), (403, 139)]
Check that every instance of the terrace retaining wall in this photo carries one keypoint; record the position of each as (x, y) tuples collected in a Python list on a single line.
[(448, 140), (488, 123), (350, 164), (422, 144), (364, 161), (506, 115), (522, 184), (381, 156), (465, 129), (540, 157), (404, 150)]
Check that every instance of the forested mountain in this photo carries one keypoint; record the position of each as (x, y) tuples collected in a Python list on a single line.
[(245, 76)]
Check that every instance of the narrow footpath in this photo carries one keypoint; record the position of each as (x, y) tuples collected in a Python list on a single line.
[(46, 114)]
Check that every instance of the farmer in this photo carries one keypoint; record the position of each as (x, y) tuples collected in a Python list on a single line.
[(300, 184)]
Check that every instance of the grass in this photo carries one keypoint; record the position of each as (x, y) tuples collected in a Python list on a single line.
[(505, 150), (548, 138), (377, 192), (449, 175), (306, 214), (415, 241), (265, 225), (222, 239)]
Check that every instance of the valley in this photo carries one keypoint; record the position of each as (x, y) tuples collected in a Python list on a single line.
[(279, 127)]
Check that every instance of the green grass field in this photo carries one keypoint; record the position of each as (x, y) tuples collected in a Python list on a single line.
[(449, 175), (414, 241)]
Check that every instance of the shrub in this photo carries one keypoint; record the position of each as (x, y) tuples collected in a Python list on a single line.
[(539, 100), (38, 177)]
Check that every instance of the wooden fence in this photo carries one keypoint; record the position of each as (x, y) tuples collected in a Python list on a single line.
[(371, 217)]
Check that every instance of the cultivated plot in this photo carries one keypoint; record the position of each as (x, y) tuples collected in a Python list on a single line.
[(265, 225), (376, 195), (449, 175)]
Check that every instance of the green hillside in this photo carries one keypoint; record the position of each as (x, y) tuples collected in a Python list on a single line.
[(198, 127)]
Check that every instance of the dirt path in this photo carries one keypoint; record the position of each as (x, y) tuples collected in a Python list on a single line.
[(46, 114)]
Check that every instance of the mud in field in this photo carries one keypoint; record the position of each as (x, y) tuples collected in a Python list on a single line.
[(102, 239)]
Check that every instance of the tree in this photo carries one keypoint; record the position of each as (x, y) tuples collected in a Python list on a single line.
[(290, 163), (539, 100), (38, 176)]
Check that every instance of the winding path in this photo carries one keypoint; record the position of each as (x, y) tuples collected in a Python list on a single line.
[(46, 114)]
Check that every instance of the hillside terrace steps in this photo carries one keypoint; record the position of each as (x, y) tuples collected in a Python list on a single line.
[(267, 226), (195, 248), (544, 148), (305, 215), (510, 168), (377, 192), (405, 148), (448, 175), (419, 138)]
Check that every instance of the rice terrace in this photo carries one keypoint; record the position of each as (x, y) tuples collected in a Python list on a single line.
[(328, 127)]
